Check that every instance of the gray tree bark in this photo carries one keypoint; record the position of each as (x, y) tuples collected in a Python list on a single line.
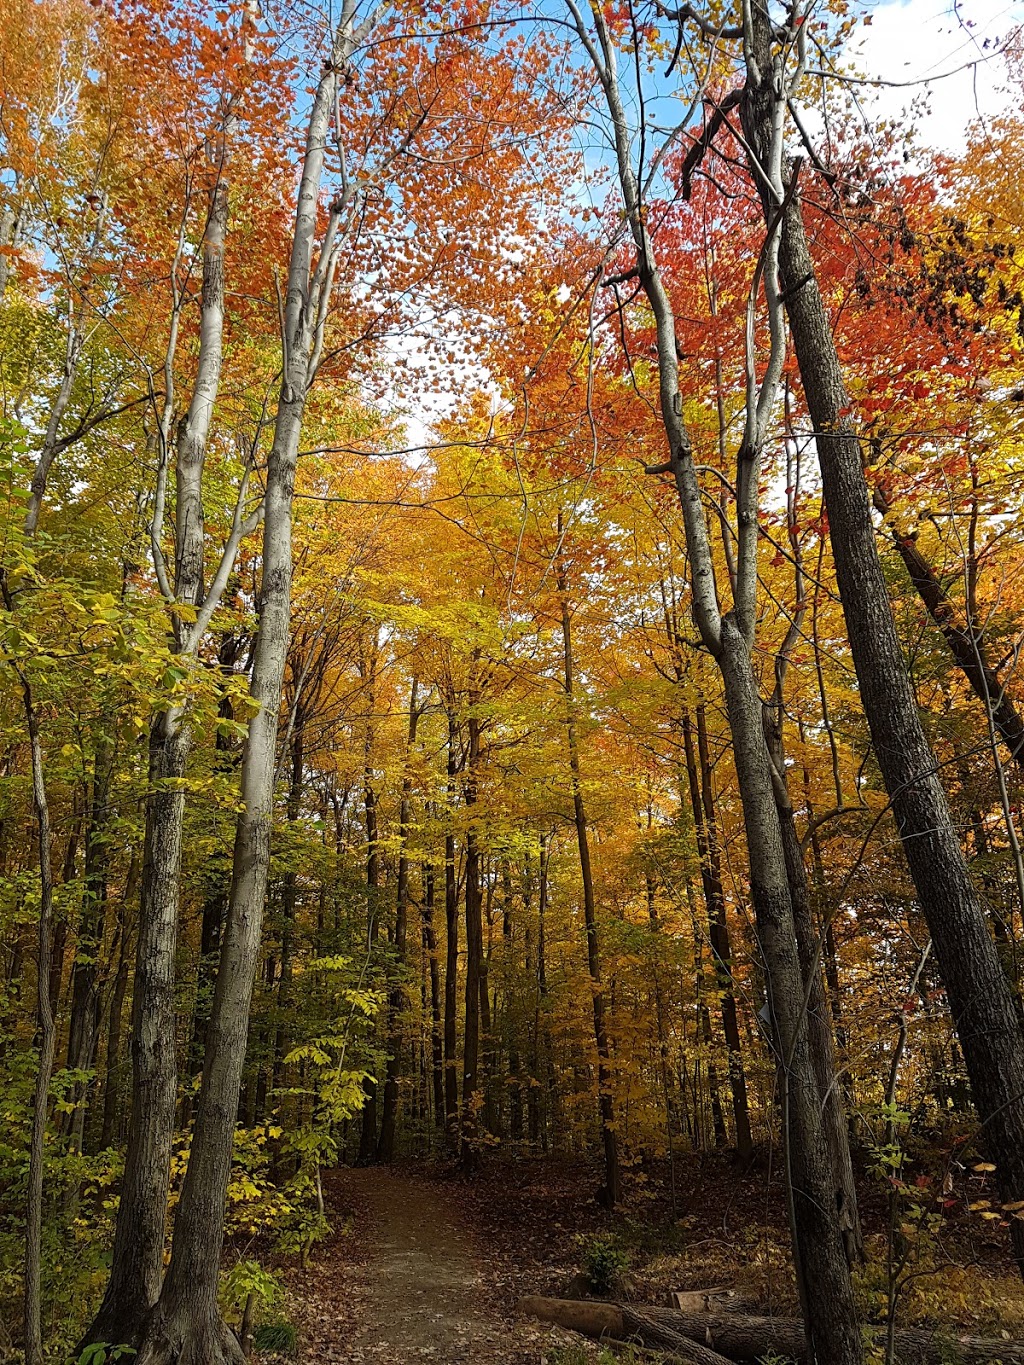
[(823, 1273), (702, 802), (979, 994), (470, 1123), (451, 918), (185, 1324), (606, 1103), (140, 1233), (397, 995), (47, 1039)]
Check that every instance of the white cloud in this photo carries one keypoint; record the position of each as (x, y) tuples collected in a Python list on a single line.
[(920, 40)]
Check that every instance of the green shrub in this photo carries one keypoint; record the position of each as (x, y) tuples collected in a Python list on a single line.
[(604, 1262)]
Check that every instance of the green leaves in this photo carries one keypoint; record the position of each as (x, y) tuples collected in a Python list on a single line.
[(102, 1352)]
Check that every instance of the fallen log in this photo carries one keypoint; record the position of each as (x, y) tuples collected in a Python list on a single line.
[(664, 1336), (721, 1299), (742, 1338), (619, 1322), (745, 1338), (589, 1318)]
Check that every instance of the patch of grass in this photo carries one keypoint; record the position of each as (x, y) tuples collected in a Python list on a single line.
[(276, 1338), (579, 1355)]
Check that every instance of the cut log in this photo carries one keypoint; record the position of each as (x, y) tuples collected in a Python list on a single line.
[(640, 1326), (590, 1319), (718, 1300), (742, 1338), (619, 1322)]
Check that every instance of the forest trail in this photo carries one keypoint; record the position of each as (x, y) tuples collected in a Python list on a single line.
[(425, 1292), (409, 1282)]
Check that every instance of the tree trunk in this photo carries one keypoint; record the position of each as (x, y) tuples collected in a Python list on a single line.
[(538, 1112), (819, 1248), (289, 895), (396, 999), (215, 901), (83, 1029), (110, 1133), (827, 936), (12, 223), (451, 966), (819, 1020), (606, 1102), (47, 1042), (822, 1271), (980, 996), (743, 1337), (702, 801), (60, 928), (368, 1118), (185, 1325), (487, 1048), (965, 642), (137, 1259), (662, 1040), (474, 956), (436, 1035)]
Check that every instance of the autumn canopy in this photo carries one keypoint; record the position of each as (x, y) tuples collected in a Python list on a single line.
[(512, 573)]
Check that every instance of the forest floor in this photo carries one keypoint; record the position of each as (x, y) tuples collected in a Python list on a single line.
[(412, 1276), (427, 1264)]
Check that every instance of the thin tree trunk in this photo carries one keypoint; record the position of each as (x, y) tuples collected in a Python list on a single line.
[(702, 802), (436, 1032), (827, 937), (289, 894), (215, 902), (137, 1259), (60, 927), (540, 1113), (662, 1040), (368, 1118), (114, 1061), (515, 1077), (819, 1020), (397, 998), (474, 955), (451, 966), (186, 1325), (606, 1102), (47, 1042), (965, 643), (85, 972)]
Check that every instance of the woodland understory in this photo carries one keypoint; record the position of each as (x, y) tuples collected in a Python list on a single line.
[(511, 558)]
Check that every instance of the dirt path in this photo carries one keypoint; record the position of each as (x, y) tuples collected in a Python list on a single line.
[(426, 1294), (410, 1282)]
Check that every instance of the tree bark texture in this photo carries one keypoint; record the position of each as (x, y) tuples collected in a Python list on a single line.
[(474, 958), (137, 1259), (185, 1324), (702, 802), (606, 1102), (979, 994), (745, 1338), (397, 995)]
